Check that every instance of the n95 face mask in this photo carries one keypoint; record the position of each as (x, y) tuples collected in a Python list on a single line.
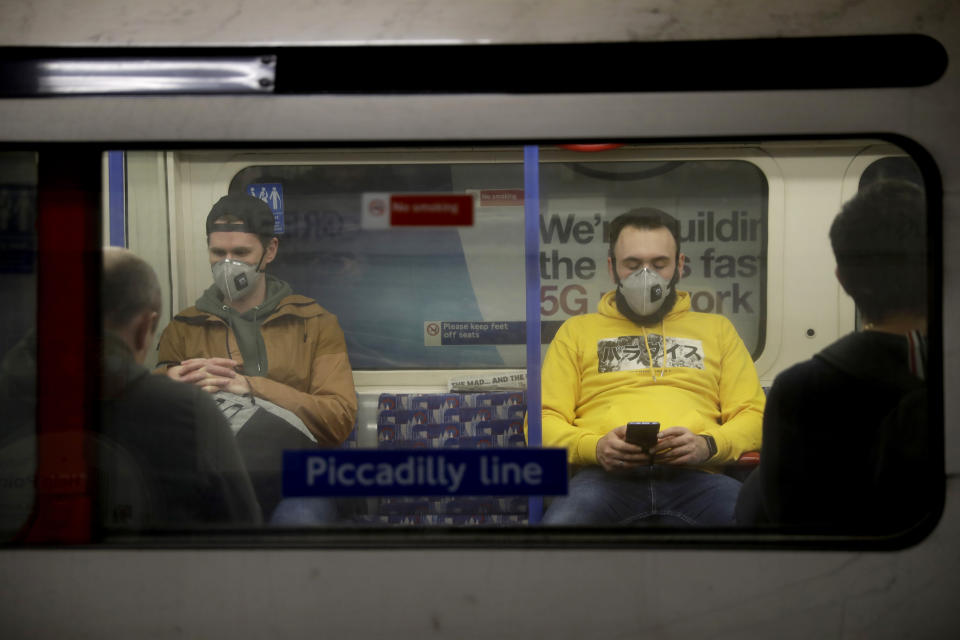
[(645, 290), (235, 279)]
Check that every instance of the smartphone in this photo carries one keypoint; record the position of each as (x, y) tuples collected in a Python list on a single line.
[(643, 434)]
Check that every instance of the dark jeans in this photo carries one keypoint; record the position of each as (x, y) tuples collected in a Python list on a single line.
[(304, 512), (657, 495)]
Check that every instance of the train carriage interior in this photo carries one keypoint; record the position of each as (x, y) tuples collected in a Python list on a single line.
[(434, 315)]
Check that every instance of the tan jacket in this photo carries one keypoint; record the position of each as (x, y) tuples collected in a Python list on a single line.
[(309, 373)]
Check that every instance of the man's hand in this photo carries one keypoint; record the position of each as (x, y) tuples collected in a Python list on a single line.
[(679, 445), (189, 371), (211, 375), (614, 453)]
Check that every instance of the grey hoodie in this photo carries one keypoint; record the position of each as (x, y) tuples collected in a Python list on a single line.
[(246, 326)]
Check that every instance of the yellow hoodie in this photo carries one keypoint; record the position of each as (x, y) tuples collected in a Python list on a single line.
[(597, 375)]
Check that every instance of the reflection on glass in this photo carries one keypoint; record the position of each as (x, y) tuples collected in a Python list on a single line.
[(349, 306), (18, 286)]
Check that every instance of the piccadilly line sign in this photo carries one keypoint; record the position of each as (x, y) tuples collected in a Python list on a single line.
[(424, 472)]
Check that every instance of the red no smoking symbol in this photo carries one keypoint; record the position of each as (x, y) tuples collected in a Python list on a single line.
[(433, 328), (377, 207)]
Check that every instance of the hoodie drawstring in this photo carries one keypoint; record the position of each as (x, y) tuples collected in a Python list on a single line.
[(256, 310), (226, 334), (663, 351)]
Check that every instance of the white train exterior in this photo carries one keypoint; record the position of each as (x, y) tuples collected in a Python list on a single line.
[(504, 589)]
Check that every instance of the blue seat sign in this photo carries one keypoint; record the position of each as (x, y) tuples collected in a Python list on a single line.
[(272, 194)]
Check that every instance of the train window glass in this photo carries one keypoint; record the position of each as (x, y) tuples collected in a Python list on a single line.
[(721, 206), (892, 168), (449, 297), (433, 320), (18, 287), (460, 279), (392, 287)]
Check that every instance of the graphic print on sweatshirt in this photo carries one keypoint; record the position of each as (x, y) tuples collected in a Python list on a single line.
[(628, 353)]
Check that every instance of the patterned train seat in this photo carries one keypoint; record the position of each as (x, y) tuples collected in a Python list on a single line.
[(451, 420)]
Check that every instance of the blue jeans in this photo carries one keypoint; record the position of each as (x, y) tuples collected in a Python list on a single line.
[(304, 511), (657, 495)]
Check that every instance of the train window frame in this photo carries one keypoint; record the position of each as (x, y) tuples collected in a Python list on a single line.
[(524, 537)]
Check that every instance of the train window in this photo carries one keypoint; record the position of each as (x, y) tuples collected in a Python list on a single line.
[(892, 168), (391, 286), (472, 276), (386, 344)]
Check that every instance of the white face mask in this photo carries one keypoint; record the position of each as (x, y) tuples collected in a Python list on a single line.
[(235, 279), (645, 291)]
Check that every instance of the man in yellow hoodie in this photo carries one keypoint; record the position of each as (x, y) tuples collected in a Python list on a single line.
[(647, 357)]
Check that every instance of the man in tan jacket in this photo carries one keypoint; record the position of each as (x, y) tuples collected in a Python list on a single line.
[(250, 335)]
